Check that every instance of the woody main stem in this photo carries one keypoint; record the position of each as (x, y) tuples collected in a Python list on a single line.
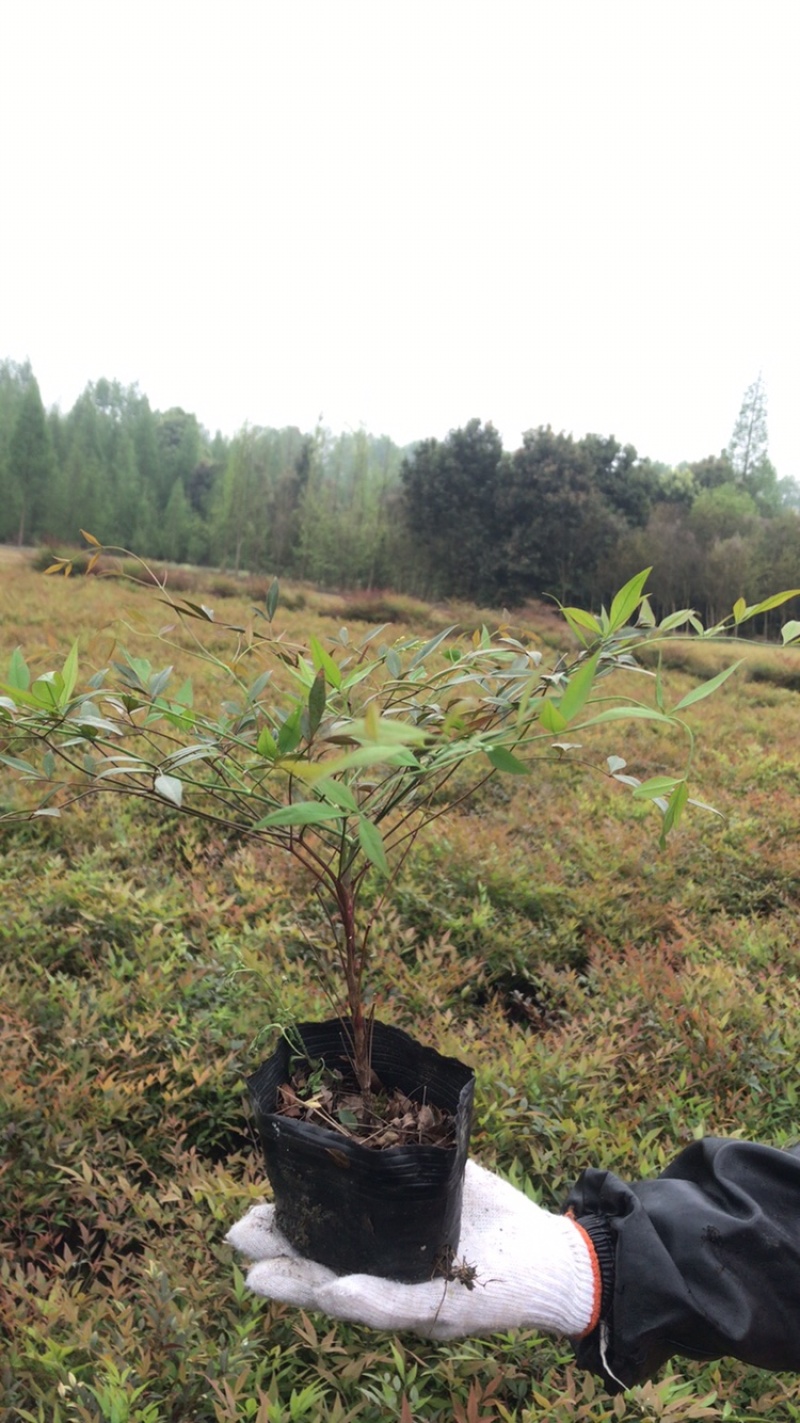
[(353, 970)]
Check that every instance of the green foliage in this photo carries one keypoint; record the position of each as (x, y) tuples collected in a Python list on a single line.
[(338, 755), (614, 1003), (452, 494), (748, 450), (453, 518), (30, 463)]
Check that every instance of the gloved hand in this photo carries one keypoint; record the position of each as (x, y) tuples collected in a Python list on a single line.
[(532, 1269)]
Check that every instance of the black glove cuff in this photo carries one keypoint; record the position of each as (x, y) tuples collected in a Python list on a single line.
[(599, 1232)]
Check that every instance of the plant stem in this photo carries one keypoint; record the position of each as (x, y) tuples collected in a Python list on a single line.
[(353, 969)]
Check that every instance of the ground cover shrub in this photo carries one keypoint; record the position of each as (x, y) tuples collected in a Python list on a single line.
[(141, 963)]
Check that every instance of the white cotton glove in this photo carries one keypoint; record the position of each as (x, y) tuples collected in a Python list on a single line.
[(534, 1270)]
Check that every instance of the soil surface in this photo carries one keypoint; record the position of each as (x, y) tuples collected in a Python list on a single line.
[(380, 1119)]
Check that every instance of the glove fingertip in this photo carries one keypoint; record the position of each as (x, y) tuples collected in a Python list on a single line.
[(289, 1279), (257, 1236)]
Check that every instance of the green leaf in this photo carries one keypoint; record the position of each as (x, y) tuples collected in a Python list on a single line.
[(70, 671), (316, 702), (19, 678), (197, 610), (429, 647), (675, 620), (656, 786), (579, 618), (385, 730), (135, 671), (256, 688), (578, 688), (774, 602), (551, 718), (185, 609), (502, 760), (372, 634), (706, 688), (169, 788), (17, 764), (702, 805), (303, 672), (739, 610), (303, 812), (362, 756), (646, 618), (290, 734), (346, 1117), (338, 793), (627, 600), (616, 768), (90, 725), (629, 714), (360, 674), (660, 701), (48, 691), (159, 681), (266, 745), (371, 842), (272, 598), (323, 661), (674, 810), (201, 751), (790, 631)]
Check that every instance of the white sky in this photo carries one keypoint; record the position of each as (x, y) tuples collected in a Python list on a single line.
[(403, 215)]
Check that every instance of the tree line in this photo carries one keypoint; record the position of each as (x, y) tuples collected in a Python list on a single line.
[(455, 518)]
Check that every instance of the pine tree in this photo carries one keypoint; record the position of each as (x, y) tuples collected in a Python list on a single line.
[(31, 464), (748, 450)]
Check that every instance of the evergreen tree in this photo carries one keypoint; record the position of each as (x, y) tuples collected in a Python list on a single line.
[(179, 450), (177, 526), (560, 529), (748, 443), (31, 465), (628, 485), (287, 502), (144, 431), (241, 499), (14, 381), (85, 494), (452, 511), (128, 493), (748, 451)]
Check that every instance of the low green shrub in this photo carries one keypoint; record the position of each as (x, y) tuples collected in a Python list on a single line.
[(615, 1003)]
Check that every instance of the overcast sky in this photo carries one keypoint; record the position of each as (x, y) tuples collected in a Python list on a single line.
[(582, 213)]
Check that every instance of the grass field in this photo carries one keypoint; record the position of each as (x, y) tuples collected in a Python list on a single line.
[(615, 1002)]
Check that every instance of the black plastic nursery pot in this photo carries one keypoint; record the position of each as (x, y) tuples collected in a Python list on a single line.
[(348, 1206)]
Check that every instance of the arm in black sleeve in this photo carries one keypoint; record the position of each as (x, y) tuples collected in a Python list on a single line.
[(704, 1261)]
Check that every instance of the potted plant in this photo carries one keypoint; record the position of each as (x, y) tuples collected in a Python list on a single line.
[(339, 754)]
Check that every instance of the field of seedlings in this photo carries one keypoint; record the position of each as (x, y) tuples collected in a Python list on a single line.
[(616, 1001)]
